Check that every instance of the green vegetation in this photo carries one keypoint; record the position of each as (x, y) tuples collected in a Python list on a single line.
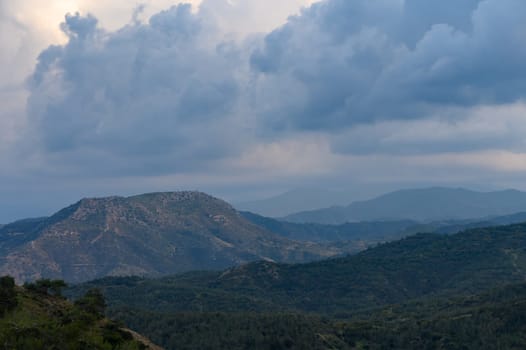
[(231, 330), (369, 233), (8, 299), (493, 320), (92, 303), (428, 291), (415, 267), (46, 286), (37, 317)]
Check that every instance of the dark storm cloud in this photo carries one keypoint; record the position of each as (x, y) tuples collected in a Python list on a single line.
[(350, 62)]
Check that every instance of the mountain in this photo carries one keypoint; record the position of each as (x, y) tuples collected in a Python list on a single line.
[(370, 232), (294, 201), (151, 234), (419, 266), (454, 227), (30, 318), (431, 204)]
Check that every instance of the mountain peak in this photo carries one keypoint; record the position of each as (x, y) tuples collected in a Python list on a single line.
[(148, 234), (178, 196)]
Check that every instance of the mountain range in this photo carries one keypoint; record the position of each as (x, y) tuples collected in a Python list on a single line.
[(373, 232), (293, 201), (165, 233), (189, 271), (423, 205)]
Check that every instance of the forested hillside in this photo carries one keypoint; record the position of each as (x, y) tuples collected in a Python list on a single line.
[(36, 316), (414, 267), (490, 320)]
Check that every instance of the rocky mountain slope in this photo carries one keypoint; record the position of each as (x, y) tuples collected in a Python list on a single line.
[(151, 234)]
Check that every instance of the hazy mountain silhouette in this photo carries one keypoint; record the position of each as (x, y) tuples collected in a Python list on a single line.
[(424, 205)]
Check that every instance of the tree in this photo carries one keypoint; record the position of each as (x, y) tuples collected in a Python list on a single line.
[(7, 294), (56, 287), (92, 302), (46, 286)]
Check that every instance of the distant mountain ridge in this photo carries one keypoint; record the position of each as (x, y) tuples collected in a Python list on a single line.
[(150, 234), (294, 201), (371, 232), (424, 205)]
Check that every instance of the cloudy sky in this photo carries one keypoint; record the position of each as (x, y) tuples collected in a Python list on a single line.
[(249, 98)]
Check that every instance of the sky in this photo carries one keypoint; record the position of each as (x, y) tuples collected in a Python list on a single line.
[(249, 98)]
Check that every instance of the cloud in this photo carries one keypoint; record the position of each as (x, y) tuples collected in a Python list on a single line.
[(159, 93), (248, 16), (13, 36), (352, 62), (166, 86), (461, 130)]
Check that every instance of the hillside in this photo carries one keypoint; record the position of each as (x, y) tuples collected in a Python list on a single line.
[(33, 319), (414, 267), (151, 234), (370, 232), (454, 227), (490, 320), (424, 205), (429, 291), (365, 234)]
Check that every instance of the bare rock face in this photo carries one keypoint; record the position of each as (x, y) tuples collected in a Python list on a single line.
[(151, 234)]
